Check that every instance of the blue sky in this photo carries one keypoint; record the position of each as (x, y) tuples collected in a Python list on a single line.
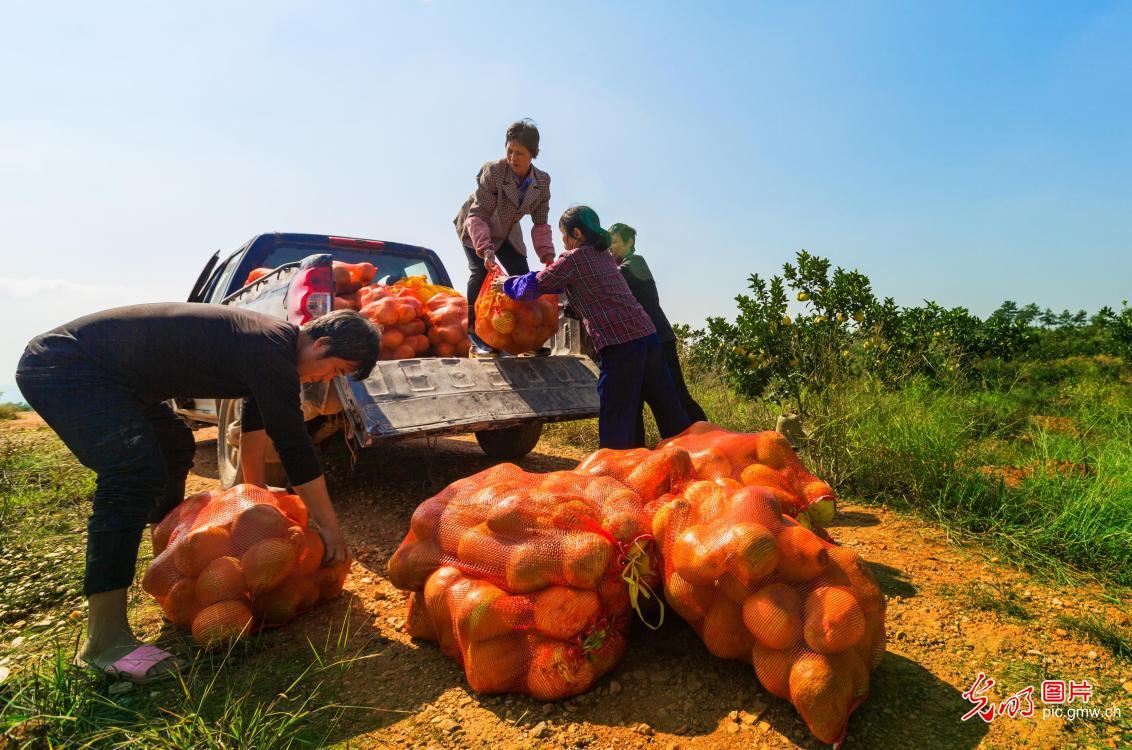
[(966, 153)]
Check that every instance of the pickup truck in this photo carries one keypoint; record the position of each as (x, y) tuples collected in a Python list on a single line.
[(504, 401)]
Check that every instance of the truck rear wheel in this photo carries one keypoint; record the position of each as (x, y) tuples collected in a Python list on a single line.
[(228, 450), (510, 442)]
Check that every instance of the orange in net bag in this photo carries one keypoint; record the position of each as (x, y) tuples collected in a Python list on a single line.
[(513, 326), (228, 563), (760, 588), (759, 459), (447, 315), (550, 563)]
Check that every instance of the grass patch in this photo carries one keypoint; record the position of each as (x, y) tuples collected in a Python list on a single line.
[(991, 598), (1100, 631), (12, 411)]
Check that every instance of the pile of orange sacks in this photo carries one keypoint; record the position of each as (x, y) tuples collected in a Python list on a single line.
[(527, 580), (734, 522), (229, 563)]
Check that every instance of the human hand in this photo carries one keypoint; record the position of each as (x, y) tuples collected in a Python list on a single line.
[(489, 261), (497, 284), (336, 549)]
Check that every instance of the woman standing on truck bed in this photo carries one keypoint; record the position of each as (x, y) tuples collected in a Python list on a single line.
[(506, 190)]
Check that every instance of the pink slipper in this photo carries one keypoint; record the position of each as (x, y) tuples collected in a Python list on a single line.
[(138, 666)]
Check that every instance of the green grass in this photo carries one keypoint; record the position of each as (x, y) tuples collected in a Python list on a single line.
[(991, 598), (983, 459), (232, 700), (1102, 632), (11, 411)]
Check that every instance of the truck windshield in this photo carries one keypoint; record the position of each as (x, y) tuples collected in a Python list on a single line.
[(390, 266)]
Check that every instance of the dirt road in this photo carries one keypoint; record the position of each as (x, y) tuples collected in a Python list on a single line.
[(952, 612)]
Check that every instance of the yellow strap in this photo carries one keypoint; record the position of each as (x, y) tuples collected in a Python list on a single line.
[(634, 574)]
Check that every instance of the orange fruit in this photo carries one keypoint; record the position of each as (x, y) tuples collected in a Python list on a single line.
[(822, 695), (257, 523), (198, 548), (391, 338), (161, 532), (699, 554), (498, 665), (221, 579), (531, 567), (180, 604), (752, 552), (293, 507), (221, 623), (608, 652), (161, 574), (313, 552), (850, 663), (690, 601), (815, 490), (761, 475), (710, 464), (418, 624), (734, 589), (755, 505), (801, 555), (412, 564), (774, 450), (330, 580), (772, 667), (562, 612), (708, 498), (556, 671), (482, 553), (426, 519), (585, 559), (670, 519), (486, 611), (724, 633), (266, 564), (773, 615), (512, 516), (529, 316), (278, 606), (833, 619), (503, 322)]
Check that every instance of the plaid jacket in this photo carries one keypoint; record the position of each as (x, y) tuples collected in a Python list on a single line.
[(492, 212), (598, 294)]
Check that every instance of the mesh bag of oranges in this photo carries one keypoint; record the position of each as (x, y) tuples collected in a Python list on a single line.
[(511, 325), (759, 459), (526, 579), (762, 589), (232, 562), (447, 315)]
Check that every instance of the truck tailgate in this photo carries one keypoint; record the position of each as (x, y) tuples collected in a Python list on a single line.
[(412, 397)]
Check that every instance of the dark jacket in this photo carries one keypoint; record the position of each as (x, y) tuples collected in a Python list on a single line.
[(641, 284)]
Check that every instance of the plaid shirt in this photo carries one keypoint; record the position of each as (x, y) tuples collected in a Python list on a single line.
[(595, 289)]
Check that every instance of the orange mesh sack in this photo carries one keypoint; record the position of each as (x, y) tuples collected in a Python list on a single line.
[(419, 287), (350, 277), (228, 563), (513, 326), (447, 315), (544, 567), (403, 326), (759, 459), (760, 588)]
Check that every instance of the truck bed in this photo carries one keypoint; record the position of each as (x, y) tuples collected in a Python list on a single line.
[(435, 396)]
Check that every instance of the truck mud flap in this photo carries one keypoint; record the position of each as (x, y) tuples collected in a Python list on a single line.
[(431, 396)]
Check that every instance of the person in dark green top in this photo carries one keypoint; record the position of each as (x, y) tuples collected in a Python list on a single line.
[(639, 277)]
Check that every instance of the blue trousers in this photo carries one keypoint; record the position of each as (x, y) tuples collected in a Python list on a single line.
[(140, 450), (632, 373)]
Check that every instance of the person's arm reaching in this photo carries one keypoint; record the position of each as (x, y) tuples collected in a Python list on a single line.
[(542, 237), (479, 214), (253, 454), (275, 388), (317, 499)]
